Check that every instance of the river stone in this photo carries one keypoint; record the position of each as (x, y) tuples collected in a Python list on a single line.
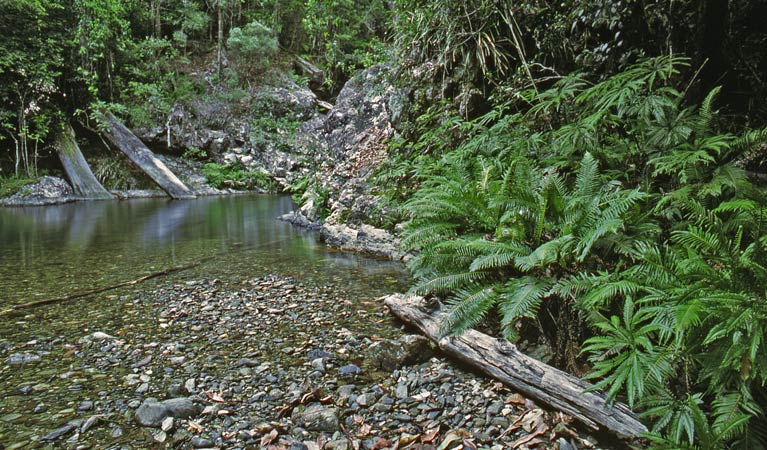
[(151, 413), (391, 355), (337, 444), (317, 418), (22, 358), (90, 423), (57, 433), (181, 408), (349, 369), (198, 442)]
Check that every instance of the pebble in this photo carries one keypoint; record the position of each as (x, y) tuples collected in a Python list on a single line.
[(198, 442), (349, 369), (247, 372), (57, 433)]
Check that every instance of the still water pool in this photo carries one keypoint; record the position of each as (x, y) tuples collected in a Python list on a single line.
[(60, 250), (54, 251)]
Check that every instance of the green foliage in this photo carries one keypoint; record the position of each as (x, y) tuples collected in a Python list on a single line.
[(113, 173), (656, 236), (31, 59), (345, 35), (478, 36), (253, 47), (10, 185), (235, 176), (195, 153)]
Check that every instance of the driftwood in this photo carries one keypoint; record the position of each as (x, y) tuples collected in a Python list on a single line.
[(101, 289), (121, 137), (501, 360), (78, 171)]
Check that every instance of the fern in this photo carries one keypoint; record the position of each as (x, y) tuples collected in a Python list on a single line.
[(620, 200)]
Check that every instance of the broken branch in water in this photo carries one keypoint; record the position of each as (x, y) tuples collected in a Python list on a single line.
[(101, 289)]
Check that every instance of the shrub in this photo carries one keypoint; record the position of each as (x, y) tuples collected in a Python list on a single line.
[(235, 176), (252, 46)]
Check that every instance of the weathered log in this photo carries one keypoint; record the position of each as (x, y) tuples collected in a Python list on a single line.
[(76, 167), (501, 360), (307, 68), (121, 137)]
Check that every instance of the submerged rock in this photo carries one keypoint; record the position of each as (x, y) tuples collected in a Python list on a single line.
[(59, 432), (22, 358)]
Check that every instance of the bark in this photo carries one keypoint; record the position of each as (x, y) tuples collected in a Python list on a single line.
[(220, 39), (121, 137), (502, 361), (78, 171)]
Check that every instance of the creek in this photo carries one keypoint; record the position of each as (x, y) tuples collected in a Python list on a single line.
[(47, 252)]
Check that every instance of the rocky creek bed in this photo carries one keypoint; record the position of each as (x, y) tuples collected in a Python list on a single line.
[(266, 362)]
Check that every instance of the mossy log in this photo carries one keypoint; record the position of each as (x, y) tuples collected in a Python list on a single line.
[(76, 167), (121, 137), (501, 360)]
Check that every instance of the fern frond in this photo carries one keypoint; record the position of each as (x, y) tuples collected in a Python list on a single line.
[(448, 283), (501, 258), (466, 308), (706, 113), (545, 254), (521, 297)]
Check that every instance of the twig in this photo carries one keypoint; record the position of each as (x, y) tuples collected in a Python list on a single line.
[(694, 77), (101, 289)]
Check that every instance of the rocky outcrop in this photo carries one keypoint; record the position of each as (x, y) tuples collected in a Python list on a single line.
[(278, 128), (349, 144), (47, 191), (257, 129)]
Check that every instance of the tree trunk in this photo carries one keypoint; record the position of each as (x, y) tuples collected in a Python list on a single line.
[(502, 361), (158, 19), (79, 173), (220, 38), (121, 137)]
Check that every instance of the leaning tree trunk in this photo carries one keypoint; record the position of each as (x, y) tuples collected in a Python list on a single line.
[(78, 171), (501, 360), (121, 137)]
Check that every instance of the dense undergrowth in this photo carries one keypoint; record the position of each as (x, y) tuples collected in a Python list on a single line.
[(626, 208), (236, 176)]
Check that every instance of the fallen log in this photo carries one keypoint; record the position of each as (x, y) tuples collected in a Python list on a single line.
[(121, 137), (65, 298), (307, 68), (76, 167), (501, 360)]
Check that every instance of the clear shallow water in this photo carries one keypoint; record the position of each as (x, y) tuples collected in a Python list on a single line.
[(53, 251), (60, 250)]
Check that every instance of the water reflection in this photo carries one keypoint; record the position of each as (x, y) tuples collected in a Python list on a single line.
[(57, 250)]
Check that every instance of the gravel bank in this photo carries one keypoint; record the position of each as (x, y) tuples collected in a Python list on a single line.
[(268, 362)]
